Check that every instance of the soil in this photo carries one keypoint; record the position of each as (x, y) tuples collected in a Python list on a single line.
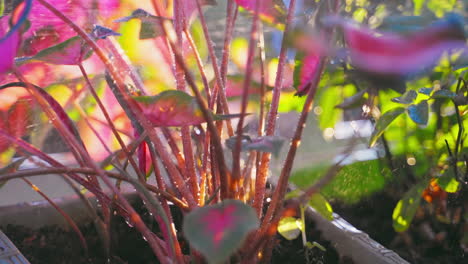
[(52, 245), (427, 241)]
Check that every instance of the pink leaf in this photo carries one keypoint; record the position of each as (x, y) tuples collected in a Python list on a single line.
[(307, 70), (384, 53)]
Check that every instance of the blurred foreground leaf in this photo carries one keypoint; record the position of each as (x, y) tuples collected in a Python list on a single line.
[(217, 231)]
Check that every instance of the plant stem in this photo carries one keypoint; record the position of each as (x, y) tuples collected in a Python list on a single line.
[(236, 171), (180, 26), (214, 62), (224, 172), (110, 122), (260, 181)]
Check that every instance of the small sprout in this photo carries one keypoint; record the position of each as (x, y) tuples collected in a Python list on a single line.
[(311, 245)]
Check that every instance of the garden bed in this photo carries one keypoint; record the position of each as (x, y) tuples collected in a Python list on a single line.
[(55, 244)]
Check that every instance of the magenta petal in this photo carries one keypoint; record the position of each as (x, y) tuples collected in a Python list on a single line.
[(8, 48)]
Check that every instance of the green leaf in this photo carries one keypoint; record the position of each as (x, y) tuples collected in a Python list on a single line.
[(2, 7), (217, 231), (327, 101), (321, 205), (448, 182), (384, 121), (290, 227), (425, 90), (406, 208), (406, 98), (418, 5), (419, 113), (444, 93)]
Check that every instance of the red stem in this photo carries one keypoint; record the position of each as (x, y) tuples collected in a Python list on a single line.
[(260, 182), (236, 170), (190, 169), (110, 122)]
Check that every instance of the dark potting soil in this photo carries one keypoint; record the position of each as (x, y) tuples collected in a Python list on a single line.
[(52, 245), (427, 240)]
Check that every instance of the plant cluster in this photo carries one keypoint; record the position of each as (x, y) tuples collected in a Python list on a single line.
[(185, 130)]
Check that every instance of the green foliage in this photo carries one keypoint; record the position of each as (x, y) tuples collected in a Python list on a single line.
[(352, 183), (290, 227), (384, 121), (2, 7), (319, 203), (406, 208), (217, 231), (448, 182)]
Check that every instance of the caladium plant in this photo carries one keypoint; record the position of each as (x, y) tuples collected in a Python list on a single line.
[(171, 87)]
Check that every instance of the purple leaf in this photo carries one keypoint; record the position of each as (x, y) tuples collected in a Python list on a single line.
[(217, 231), (9, 43)]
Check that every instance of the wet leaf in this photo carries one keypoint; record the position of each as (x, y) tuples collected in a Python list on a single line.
[(174, 108), (9, 43), (290, 227), (322, 206), (384, 121), (406, 208), (444, 93), (304, 72), (217, 231), (406, 98), (419, 113)]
